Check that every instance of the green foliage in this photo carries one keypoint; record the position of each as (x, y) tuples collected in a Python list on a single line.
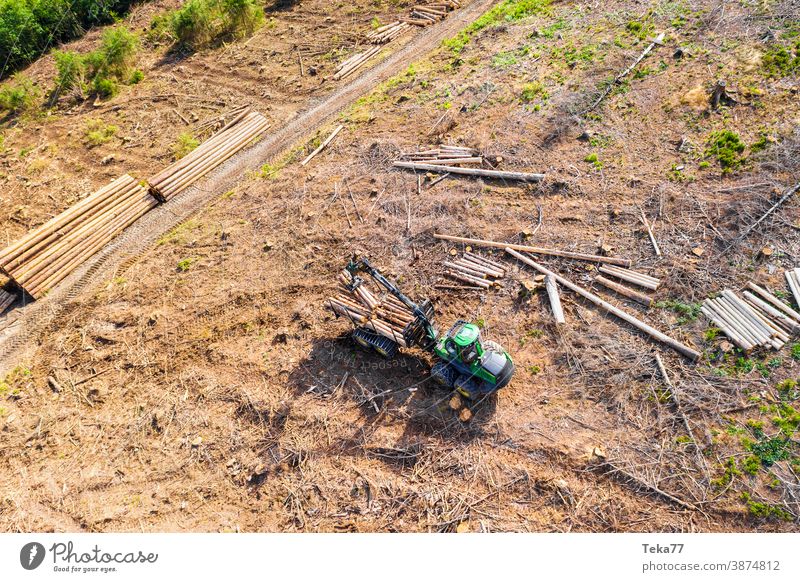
[(136, 77), (507, 10), (104, 68), (770, 451), (201, 23), (30, 27), (726, 146), (782, 61), (532, 91), (98, 133), (731, 470), (751, 465), (687, 311), (711, 334), (19, 95), (788, 390), (185, 265), (765, 510), (796, 351), (186, 143)]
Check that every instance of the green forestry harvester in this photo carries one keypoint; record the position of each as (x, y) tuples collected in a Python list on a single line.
[(464, 362)]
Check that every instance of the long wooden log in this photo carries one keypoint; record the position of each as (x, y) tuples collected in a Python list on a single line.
[(630, 277), (323, 145), (468, 262), (213, 153), (739, 322), (492, 174), (794, 285), (555, 301), (488, 262), (465, 269), (750, 314), (726, 328), (777, 303), (638, 324), (39, 236), (195, 174), (47, 238), (625, 291), (777, 316), (467, 279), (52, 252), (108, 226), (534, 250)]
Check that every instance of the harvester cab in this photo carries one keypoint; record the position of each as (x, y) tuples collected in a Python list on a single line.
[(464, 362)]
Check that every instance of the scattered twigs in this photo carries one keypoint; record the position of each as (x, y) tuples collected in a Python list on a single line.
[(656, 42), (492, 174), (638, 324), (534, 250), (614, 469), (786, 196), (322, 146)]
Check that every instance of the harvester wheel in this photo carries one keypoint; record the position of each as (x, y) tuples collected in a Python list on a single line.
[(444, 375), (383, 345), (490, 346)]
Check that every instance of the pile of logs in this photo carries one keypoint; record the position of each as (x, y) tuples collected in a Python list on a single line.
[(477, 271), (425, 15), (793, 278), (754, 321), (444, 155), (632, 277), (48, 254), (241, 132), (386, 316), (6, 299), (351, 65), (388, 32)]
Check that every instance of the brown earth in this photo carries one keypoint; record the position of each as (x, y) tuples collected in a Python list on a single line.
[(223, 396)]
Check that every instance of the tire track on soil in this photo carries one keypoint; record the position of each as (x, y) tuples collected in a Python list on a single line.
[(19, 332)]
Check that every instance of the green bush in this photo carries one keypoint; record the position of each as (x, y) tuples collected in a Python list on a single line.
[(194, 24), (727, 147), (185, 144), (30, 27), (102, 70), (19, 95), (200, 23)]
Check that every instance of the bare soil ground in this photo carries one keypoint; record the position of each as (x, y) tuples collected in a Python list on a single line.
[(222, 396)]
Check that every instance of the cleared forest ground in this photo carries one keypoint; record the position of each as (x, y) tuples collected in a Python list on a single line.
[(205, 387)]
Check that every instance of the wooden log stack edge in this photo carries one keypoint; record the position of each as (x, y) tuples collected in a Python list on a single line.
[(6, 299), (242, 132), (46, 255)]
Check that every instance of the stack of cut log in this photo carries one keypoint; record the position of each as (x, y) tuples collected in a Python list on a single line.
[(354, 63), (388, 32), (793, 278), (241, 132), (475, 270), (386, 316), (632, 277), (6, 299), (444, 155), (46, 255), (425, 15), (760, 319)]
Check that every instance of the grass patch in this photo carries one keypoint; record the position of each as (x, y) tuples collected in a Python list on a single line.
[(727, 147), (184, 145), (97, 133), (19, 96), (687, 311), (185, 264), (202, 23), (506, 11), (533, 91)]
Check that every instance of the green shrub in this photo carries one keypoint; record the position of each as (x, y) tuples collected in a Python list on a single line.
[(136, 77), (98, 133), (70, 70), (193, 24), (532, 91), (185, 144), (30, 27), (727, 147), (19, 95), (781, 61), (200, 23), (241, 17), (105, 87)]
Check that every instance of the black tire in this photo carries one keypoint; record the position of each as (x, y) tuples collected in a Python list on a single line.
[(370, 340), (444, 375)]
